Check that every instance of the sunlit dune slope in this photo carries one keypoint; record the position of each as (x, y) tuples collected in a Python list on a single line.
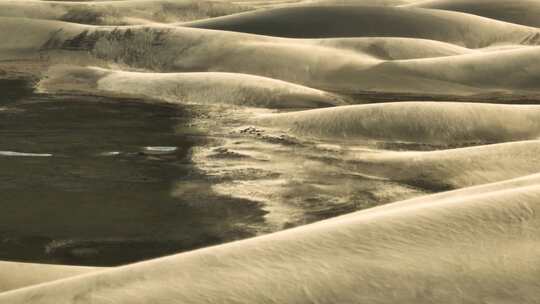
[(339, 65), (162, 48), (461, 246), (418, 122), (453, 168), (514, 69), (201, 88), (516, 11), (392, 48)]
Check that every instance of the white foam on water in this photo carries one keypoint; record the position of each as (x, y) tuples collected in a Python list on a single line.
[(24, 154), (159, 150)]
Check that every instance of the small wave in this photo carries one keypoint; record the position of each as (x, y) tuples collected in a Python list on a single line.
[(24, 154), (159, 150), (110, 153)]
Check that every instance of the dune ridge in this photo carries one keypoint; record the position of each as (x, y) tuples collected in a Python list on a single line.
[(453, 168), (417, 122), (394, 48), (338, 65), (441, 247), (201, 88)]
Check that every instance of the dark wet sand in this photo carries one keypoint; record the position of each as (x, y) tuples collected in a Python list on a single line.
[(101, 199)]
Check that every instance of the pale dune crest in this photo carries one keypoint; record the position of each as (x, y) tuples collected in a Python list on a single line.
[(469, 240), (441, 123), (201, 88), (505, 185), (453, 168), (514, 69), (394, 48)]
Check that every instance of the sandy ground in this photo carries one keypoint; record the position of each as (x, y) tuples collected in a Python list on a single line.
[(286, 151)]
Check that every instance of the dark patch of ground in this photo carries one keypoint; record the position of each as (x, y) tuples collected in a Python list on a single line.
[(85, 205)]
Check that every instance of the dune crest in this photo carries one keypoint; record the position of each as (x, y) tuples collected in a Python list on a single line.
[(393, 48), (416, 122), (453, 168), (339, 65), (440, 247), (201, 88)]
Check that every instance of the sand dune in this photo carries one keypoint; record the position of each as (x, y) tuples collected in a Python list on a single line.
[(454, 168), (281, 3), (119, 12), (201, 88), (341, 65), (168, 49), (389, 48), (517, 11), (506, 71), (477, 244), (15, 275), (35, 33), (363, 2), (510, 70), (360, 21), (455, 248), (416, 122)]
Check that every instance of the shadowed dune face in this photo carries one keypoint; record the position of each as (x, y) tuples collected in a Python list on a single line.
[(440, 252), (523, 12), (350, 21)]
